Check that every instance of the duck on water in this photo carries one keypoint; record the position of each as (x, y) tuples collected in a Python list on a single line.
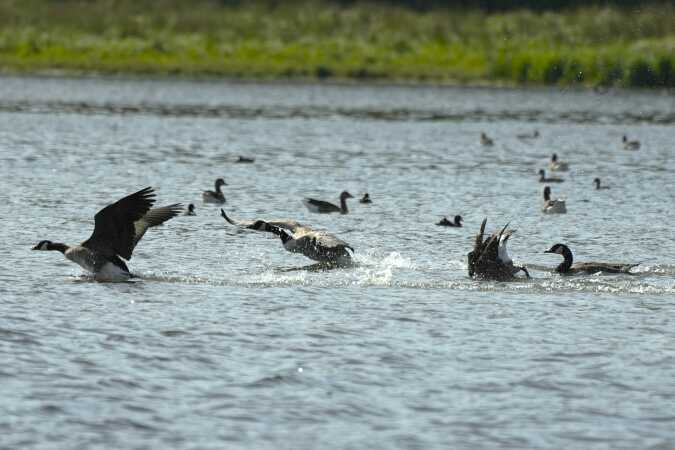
[(117, 230), (567, 268), (490, 260), (216, 196), (322, 207), (444, 222)]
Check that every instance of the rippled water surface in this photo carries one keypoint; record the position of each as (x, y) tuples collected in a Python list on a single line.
[(227, 341)]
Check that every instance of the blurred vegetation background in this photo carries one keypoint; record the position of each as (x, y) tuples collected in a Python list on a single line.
[(557, 42)]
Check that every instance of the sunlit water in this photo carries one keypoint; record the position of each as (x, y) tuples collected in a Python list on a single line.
[(225, 341)]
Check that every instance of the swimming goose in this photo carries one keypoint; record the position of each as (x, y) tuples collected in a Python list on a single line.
[(557, 166), (319, 206), (117, 229), (567, 268), (245, 160), (366, 199), (630, 145), (555, 206), (596, 181), (216, 196), (191, 210), (544, 179), (297, 238), (444, 222), (490, 260), (485, 140), (534, 135)]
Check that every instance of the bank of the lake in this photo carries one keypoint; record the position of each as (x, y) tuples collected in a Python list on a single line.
[(591, 46)]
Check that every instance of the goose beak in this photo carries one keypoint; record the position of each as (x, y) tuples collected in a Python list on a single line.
[(548, 251)]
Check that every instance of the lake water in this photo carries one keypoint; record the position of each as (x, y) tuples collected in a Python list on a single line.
[(225, 341)]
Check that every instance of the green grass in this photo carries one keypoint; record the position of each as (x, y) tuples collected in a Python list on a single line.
[(593, 46)]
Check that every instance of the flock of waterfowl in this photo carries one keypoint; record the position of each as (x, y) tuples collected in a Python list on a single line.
[(120, 226)]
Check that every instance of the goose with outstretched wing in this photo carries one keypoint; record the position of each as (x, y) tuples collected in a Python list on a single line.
[(117, 230), (318, 245)]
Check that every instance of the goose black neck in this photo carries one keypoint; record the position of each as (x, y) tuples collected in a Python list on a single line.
[(343, 206), (547, 195), (57, 246), (567, 263)]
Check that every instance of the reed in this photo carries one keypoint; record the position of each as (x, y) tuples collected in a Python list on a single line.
[(590, 46)]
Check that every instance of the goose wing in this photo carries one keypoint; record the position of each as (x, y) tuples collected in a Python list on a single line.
[(287, 224), (114, 229), (320, 238), (320, 206), (154, 217), (603, 267)]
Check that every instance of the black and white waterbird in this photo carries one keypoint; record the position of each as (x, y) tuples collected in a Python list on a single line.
[(216, 196), (320, 206), (568, 268), (117, 230)]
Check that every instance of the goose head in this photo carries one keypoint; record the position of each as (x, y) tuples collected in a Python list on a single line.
[(558, 248), (345, 195), (366, 197), (191, 209), (596, 181), (220, 182), (43, 245), (458, 220), (554, 158), (624, 138)]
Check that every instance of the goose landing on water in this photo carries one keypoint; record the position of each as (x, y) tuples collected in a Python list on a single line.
[(297, 238), (117, 230), (216, 196), (567, 268), (490, 259), (319, 206)]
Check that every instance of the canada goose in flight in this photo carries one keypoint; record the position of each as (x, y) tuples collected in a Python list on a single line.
[(533, 135), (216, 196), (553, 206), (365, 199), (319, 206), (598, 186), (630, 145), (567, 268), (544, 179), (117, 229), (444, 222), (557, 166), (191, 210), (490, 260), (485, 140), (297, 238), (245, 160)]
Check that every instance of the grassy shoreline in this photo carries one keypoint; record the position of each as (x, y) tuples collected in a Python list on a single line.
[(586, 47)]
